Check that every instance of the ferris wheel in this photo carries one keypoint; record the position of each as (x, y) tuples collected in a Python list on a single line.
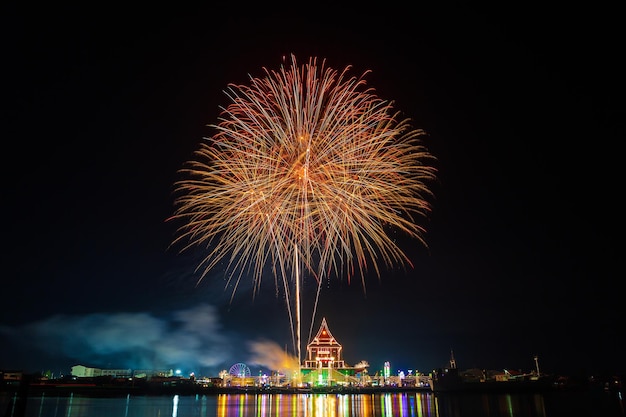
[(240, 370)]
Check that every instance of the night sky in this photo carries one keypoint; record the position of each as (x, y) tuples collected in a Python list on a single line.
[(524, 111)]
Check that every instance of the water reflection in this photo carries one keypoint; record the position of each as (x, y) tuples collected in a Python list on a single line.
[(385, 405), (329, 405), (421, 404)]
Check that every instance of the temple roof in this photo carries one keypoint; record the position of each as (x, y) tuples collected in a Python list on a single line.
[(324, 336)]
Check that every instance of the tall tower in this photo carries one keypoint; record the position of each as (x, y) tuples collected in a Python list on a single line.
[(452, 360)]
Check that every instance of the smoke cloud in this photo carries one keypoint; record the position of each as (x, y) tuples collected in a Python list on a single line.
[(272, 356), (190, 339)]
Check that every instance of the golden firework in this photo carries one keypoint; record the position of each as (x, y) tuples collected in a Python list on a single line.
[(308, 171)]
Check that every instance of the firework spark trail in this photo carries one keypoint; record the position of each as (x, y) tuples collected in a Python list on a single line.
[(307, 166)]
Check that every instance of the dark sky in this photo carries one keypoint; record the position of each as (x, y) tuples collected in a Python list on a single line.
[(524, 110)]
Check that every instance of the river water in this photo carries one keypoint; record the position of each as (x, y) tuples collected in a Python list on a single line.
[(418, 404)]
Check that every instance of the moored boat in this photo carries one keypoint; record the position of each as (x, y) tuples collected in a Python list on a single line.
[(451, 379)]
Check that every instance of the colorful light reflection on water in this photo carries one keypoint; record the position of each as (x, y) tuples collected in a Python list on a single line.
[(420, 404), (328, 405)]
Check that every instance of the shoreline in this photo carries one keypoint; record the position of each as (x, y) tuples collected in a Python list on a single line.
[(115, 388), (116, 391)]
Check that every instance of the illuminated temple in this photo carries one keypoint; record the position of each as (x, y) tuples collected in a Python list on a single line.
[(324, 365)]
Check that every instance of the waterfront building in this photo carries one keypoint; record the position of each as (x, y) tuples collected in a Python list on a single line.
[(85, 371), (82, 371), (325, 366)]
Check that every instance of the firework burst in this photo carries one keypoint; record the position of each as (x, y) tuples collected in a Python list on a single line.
[(307, 172)]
